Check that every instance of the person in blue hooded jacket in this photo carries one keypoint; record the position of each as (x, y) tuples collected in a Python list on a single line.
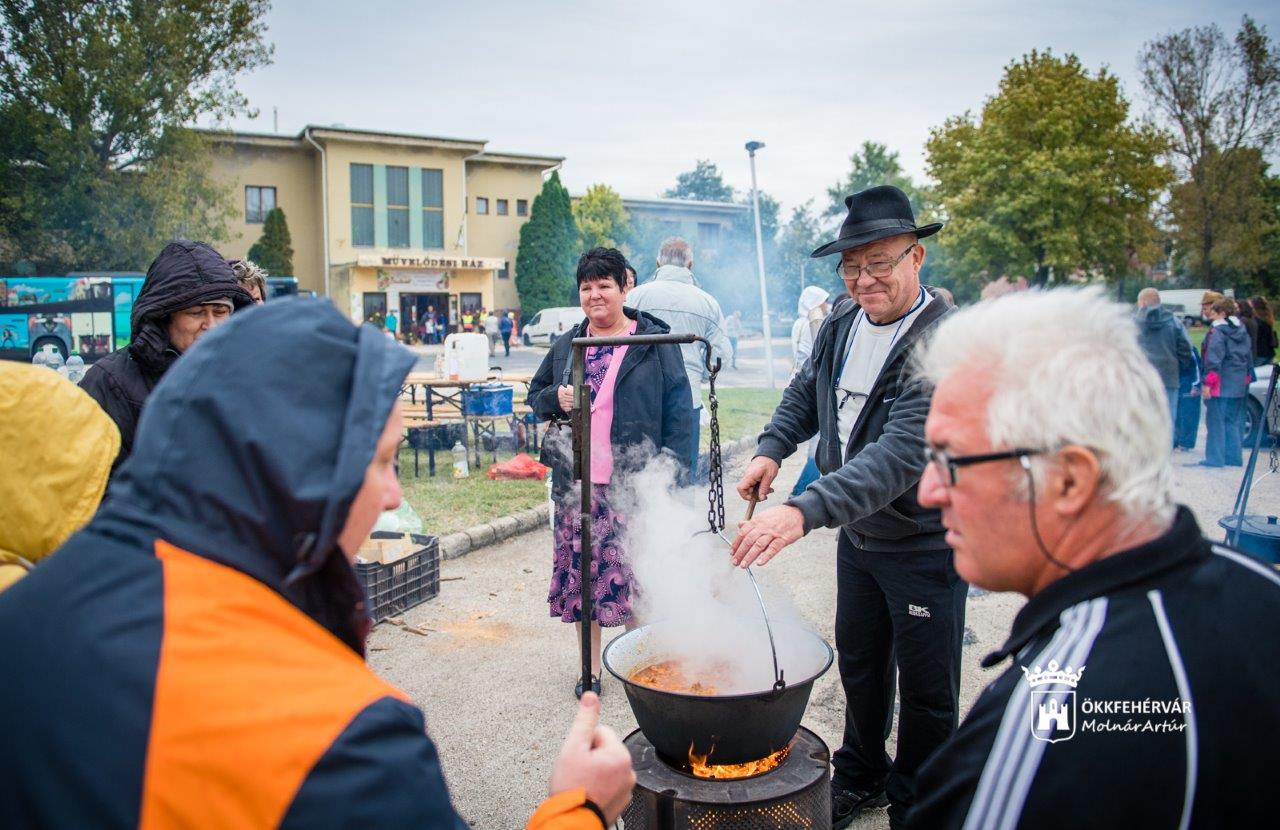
[(194, 655)]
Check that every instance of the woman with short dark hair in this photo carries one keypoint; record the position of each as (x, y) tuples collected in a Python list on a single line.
[(639, 397)]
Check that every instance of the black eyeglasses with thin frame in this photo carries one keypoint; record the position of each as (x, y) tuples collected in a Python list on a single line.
[(948, 466), (877, 270)]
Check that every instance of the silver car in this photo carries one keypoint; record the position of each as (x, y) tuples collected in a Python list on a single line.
[(1253, 408)]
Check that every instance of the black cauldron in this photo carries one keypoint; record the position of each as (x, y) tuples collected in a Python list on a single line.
[(728, 729)]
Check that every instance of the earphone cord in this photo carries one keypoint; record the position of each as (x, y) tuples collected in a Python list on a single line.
[(1035, 528)]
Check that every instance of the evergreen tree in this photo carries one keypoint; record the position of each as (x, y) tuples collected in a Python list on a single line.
[(273, 252), (548, 252), (703, 183)]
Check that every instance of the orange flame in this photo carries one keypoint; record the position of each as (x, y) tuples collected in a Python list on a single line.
[(700, 768)]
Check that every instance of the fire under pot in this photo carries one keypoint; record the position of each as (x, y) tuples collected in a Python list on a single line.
[(795, 794)]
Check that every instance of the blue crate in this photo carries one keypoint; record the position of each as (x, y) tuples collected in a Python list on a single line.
[(487, 399)]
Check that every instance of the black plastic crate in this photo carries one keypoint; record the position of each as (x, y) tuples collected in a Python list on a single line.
[(397, 587)]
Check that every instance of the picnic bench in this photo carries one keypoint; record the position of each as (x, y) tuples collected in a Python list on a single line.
[(434, 402)]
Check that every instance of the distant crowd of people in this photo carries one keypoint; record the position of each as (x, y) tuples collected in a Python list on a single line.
[(1239, 337)]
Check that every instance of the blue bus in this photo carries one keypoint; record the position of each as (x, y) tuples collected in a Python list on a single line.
[(83, 313)]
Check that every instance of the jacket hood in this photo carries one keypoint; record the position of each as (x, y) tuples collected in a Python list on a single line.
[(811, 298), (1154, 317), (674, 273), (184, 274), (251, 450), (1233, 332), (55, 469)]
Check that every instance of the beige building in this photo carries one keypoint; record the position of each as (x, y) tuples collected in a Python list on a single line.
[(387, 222)]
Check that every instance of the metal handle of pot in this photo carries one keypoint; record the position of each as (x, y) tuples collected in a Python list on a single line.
[(779, 682)]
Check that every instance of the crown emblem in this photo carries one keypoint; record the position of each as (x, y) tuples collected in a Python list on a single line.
[(1053, 674)]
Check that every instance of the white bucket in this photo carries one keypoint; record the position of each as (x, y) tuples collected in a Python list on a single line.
[(469, 352)]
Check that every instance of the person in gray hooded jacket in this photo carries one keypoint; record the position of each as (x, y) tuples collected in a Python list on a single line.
[(899, 601), (674, 297), (1165, 343)]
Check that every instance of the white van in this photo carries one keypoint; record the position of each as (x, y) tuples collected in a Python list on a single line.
[(1184, 303), (550, 323)]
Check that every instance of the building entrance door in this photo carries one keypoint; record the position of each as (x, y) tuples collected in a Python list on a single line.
[(414, 309)]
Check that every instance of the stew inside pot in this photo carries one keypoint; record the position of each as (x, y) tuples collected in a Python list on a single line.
[(673, 676)]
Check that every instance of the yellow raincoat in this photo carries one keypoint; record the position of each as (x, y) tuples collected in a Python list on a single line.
[(56, 449)]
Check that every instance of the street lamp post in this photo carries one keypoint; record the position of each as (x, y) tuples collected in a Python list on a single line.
[(752, 146)]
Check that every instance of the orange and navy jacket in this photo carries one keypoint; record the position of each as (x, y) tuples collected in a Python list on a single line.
[(193, 657), (167, 690)]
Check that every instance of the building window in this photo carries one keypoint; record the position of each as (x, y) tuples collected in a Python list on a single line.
[(362, 205), (504, 273), (482, 206), (375, 307), (470, 303), (258, 202), (522, 207), (501, 207), (432, 208), (398, 207), (708, 235)]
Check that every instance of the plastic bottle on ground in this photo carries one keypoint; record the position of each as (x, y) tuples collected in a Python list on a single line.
[(460, 469)]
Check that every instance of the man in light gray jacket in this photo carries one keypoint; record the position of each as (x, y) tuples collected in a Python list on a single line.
[(674, 298)]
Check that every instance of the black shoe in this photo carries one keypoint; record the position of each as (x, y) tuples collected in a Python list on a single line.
[(595, 687), (847, 804)]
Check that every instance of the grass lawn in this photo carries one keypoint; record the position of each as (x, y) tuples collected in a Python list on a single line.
[(1197, 334), (448, 505)]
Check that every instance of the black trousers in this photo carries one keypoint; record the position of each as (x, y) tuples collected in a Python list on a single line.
[(896, 614)]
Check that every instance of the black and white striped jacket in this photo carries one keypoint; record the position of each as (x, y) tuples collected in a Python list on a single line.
[(1173, 720)]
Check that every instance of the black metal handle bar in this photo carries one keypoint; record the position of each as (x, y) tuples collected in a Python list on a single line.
[(649, 339)]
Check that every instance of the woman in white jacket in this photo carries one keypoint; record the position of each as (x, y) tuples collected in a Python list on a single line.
[(811, 310)]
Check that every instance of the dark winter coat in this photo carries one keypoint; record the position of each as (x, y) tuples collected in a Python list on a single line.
[(873, 495), (1265, 347), (1230, 356), (185, 274), (1171, 721), (193, 656), (652, 403), (1164, 340)]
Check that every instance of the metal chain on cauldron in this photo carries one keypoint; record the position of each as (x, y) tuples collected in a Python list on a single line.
[(715, 472)]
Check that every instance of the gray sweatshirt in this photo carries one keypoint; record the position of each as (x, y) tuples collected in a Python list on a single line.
[(672, 297)]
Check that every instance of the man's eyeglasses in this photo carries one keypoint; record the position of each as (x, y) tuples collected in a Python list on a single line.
[(948, 466), (876, 270)]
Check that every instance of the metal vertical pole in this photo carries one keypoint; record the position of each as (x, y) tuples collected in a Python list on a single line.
[(582, 412), (752, 146)]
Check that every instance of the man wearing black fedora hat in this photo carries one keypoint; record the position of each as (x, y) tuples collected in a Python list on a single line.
[(899, 602)]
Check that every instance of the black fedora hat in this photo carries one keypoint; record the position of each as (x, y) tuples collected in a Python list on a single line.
[(876, 213)]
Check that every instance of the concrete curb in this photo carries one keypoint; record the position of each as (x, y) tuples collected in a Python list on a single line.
[(504, 527)]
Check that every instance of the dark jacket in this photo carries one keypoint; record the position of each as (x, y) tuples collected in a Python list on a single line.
[(651, 402), (1265, 346), (873, 496), (185, 274), (1172, 722), (1165, 342), (1230, 356), (193, 656)]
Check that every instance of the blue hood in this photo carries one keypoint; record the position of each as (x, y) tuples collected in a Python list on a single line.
[(252, 448)]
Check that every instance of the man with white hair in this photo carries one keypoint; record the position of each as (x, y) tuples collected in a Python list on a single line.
[(675, 298), (1144, 661)]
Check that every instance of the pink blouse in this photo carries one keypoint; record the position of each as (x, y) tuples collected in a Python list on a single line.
[(602, 418)]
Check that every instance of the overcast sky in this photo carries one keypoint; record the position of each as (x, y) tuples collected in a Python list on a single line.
[(633, 93)]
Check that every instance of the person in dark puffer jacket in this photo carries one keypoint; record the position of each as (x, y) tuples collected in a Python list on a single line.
[(189, 289)]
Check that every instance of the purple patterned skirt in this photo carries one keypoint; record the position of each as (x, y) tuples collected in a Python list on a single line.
[(611, 578)]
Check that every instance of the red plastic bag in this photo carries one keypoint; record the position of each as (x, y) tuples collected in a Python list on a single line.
[(522, 466)]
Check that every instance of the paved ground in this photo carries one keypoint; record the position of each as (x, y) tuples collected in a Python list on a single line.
[(495, 675)]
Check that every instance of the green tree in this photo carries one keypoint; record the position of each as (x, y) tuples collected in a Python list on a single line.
[(273, 252), (96, 168), (1052, 179), (1220, 103), (548, 253), (874, 164), (601, 219), (703, 183)]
